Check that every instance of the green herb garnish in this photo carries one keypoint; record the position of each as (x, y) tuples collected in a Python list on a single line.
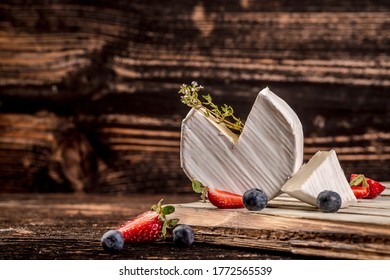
[(222, 114)]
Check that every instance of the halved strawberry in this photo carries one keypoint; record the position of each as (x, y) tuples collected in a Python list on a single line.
[(360, 192), (218, 198), (146, 227), (375, 188), (223, 199), (359, 186)]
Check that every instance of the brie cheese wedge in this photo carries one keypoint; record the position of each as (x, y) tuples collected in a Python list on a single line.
[(268, 151), (322, 172)]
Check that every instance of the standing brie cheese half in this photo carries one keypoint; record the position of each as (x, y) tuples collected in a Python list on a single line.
[(268, 151), (322, 172)]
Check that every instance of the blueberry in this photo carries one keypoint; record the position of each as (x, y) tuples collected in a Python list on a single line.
[(328, 201), (255, 199), (183, 235), (112, 241)]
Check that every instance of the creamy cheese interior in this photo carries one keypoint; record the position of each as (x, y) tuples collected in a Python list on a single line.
[(322, 172)]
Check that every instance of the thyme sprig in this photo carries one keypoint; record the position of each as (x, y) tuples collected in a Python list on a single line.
[(223, 114)]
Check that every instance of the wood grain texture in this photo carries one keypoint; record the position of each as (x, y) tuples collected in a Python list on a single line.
[(69, 227), (103, 64), (109, 153), (361, 231)]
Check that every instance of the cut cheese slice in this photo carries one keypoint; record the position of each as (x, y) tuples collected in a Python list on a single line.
[(265, 155), (322, 172)]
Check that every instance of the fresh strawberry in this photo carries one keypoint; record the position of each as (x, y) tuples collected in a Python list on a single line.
[(146, 227), (360, 182), (223, 199), (359, 186), (360, 192), (376, 188), (143, 228), (218, 198)]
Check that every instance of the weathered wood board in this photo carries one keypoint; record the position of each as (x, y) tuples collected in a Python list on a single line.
[(361, 231), (69, 227), (110, 71)]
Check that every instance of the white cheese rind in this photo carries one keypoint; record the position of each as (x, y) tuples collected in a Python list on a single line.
[(265, 155), (322, 172)]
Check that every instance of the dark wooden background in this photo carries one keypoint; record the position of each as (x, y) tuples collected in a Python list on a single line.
[(88, 89)]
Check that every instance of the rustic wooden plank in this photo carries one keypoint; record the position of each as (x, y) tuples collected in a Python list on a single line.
[(357, 232), (328, 60), (378, 203), (68, 226), (111, 153), (42, 226), (378, 216)]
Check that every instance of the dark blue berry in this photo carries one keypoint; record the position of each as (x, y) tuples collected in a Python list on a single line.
[(183, 235), (112, 241), (255, 199), (328, 201)]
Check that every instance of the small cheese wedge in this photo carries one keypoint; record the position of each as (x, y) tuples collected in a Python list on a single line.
[(322, 172), (268, 151)]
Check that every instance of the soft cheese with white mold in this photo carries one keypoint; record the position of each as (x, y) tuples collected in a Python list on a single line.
[(322, 172), (268, 151)]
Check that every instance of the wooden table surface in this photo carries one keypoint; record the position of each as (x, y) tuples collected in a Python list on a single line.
[(359, 231), (69, 226)]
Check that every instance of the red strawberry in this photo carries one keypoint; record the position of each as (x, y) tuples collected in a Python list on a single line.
[(360, 192), (219, 198), (148, 226), (223, 199), (362, 182), (376, 188), (143, 228), (359, 186)]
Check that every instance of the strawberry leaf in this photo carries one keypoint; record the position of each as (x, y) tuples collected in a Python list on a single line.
[(168, 224), (169, 209), (197, 186), (172, 223)]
